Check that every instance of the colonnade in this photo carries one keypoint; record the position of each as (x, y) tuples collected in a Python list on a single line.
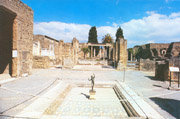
[(104, 51)]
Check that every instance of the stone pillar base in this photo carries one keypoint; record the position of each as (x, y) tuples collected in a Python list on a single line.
[(120, 66), (92, 94)]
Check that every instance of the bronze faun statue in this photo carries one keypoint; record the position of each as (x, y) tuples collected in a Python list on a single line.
[(92, 81)]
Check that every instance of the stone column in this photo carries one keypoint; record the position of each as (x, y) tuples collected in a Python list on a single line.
[(91, 51), (110, 49), (76, 49), (94, 52), (114, 49), (131, 56), (106, 53), (103, 53)]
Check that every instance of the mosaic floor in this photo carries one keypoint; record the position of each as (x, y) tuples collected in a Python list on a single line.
[(77, 104)]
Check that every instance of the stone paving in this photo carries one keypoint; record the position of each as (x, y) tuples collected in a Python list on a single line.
[(105, 105), (18, 94)]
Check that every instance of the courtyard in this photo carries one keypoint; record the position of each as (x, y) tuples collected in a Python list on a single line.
[(63, 93), (62, 63)]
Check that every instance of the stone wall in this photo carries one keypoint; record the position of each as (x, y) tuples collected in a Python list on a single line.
[(22, 35), (40, 62), (153, 50), (147, 65), (157, 50), (149, 51)]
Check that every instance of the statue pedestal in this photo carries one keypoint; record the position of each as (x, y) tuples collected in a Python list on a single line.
[(92, 94)]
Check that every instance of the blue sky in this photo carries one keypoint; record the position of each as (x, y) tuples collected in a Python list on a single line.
[(143, 21)]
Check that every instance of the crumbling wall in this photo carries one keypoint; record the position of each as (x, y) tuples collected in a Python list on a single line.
[(153, 50)]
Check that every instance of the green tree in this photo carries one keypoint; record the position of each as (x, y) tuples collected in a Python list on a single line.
[(119, 33), (85, 51), (92, 35), (131, 50), (135, 52), (93, 38), (107, 39)]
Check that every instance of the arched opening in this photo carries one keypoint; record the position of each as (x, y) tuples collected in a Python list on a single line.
[(6, 40), (163, 52)]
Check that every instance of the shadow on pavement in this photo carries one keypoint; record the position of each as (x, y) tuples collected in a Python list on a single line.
[(153, 78), (169, 105), (108, 67), (87, 96), (161, 86)]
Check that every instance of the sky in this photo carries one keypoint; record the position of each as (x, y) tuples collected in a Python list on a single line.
[(142, 21)]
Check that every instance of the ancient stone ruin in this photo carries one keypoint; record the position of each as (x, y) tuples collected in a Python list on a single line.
[(16, 36), (120, 53), (20, 51), (171, 59), (158, 58), (49, 52)]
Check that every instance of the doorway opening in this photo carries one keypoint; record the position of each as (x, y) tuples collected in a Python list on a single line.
[(6, 40)]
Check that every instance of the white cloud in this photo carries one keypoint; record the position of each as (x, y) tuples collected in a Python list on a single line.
[(154, 28), (103, 30), (64, 31), (175, 15), (151, 41), (67, 31)]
